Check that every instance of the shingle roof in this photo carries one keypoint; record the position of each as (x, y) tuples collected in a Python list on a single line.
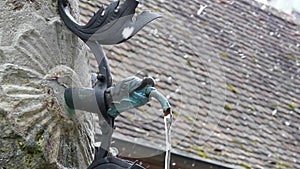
[(230, 73)]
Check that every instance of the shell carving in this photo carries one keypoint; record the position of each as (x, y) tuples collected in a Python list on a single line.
[(37, 129)]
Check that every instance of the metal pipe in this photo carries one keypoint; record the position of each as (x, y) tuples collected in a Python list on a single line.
[(81, 99), (162, 100)]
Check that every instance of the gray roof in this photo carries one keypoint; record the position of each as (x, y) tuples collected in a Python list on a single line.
[(231, 75)]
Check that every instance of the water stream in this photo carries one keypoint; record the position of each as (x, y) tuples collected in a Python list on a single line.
[(168, 124)]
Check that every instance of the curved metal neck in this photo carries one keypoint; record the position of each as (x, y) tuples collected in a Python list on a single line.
[(109, 26)]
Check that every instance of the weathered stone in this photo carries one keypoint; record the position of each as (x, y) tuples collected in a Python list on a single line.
[(39, 57)]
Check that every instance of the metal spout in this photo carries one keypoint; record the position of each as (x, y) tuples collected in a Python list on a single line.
[(162, 100), (81, 99)]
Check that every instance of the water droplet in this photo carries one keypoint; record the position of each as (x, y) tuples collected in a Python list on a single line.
[(287, 123), (186, 56), (154, 32), (114, 151), (201, 9), (170, 79), (274, 112), (127, 32), (103, 12), (232, 45), (97, 144), (242, 56)]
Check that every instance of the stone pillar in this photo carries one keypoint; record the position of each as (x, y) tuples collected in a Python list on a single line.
[(39, 58)]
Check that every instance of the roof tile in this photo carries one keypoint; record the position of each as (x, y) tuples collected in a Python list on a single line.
[(194, 58)]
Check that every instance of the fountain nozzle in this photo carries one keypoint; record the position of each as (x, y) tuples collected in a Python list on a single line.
[(162, 100)]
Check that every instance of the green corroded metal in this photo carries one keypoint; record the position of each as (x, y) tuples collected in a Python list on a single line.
[(130, 93)]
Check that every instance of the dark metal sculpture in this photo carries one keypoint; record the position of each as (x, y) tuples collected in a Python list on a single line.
[(112, 25)]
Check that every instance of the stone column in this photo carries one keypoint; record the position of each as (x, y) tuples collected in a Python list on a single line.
[(39, 58)]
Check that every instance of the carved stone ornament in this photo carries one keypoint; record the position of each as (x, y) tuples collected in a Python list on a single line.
[(39, 58)]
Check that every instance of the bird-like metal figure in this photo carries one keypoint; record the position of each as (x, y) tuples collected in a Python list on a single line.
[(112, 25)]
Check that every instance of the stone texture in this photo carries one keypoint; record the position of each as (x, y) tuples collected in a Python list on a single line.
[(39, 58)]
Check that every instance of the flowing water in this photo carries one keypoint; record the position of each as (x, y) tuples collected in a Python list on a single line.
[(168, 124)]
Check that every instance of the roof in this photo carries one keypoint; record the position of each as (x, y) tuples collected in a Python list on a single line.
[(231, 73), (156, 157)]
